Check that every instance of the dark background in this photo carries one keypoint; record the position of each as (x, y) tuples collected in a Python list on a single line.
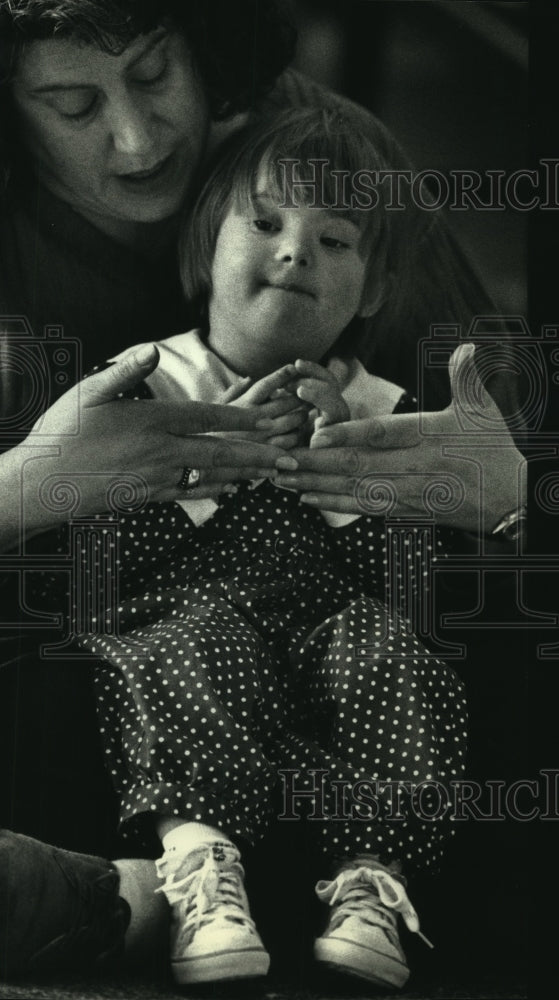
[(450, 79)]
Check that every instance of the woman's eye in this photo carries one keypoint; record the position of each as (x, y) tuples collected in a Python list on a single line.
[(74, 111), (152, 75)]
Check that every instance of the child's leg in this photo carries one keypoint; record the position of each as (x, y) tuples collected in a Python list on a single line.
[(389, 717), (182, 725), (385, 719), (182, 721), (213, 936)]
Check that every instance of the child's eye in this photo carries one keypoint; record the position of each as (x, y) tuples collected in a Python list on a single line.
[(334, 244), (264, 225)]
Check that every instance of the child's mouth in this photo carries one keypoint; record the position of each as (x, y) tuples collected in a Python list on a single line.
[(289, 286)]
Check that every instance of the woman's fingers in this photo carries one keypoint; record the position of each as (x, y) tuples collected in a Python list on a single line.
[(212, 453), (336, 502), (186, 419), (120, 377), (286, 441), (369, 494), (357, 461), (315, 482), (390, 432), (338, 461)]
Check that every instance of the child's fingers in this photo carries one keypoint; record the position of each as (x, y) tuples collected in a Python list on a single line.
[(286, 441), (289, 389), (339, 369), (317, 393), (263, 389), (285, 423), (278, 407), (235, 391), (326, 398), (312, 370)]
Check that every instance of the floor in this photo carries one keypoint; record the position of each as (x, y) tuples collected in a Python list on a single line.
[(134, 989)]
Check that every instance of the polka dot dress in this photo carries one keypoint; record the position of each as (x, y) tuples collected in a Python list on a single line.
[(255, 662)]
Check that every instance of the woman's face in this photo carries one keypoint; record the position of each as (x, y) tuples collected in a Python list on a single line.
[(118, 137)]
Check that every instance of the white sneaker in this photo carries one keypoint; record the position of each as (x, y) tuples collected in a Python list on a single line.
[(212, 934), (361, 938)]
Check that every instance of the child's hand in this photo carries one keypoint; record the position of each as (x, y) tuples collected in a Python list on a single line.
[(320, 388), (282, 415)]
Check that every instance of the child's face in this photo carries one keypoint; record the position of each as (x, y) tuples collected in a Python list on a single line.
[(285, 283)]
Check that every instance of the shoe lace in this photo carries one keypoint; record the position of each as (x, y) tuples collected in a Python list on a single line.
[(211, 891), (370, 893)]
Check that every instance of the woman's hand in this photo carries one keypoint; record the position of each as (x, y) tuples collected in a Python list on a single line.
[(459, 466), (117, 441)]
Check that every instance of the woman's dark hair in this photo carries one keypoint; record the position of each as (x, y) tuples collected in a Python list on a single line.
[(239, 46)]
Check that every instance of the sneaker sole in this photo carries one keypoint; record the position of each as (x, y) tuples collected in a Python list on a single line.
[(221, 966), (355, 960)]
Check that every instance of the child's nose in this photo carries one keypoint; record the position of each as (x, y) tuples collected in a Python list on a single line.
[(299, 258), (295, 250)]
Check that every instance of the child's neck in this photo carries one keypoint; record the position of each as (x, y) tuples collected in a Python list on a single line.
[(242, 355)]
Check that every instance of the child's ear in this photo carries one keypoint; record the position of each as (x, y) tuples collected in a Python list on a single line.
[(369, 308), (374, 297), (371, 301)]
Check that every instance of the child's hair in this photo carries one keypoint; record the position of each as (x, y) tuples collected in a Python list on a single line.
[(416, 275), (305, 155)]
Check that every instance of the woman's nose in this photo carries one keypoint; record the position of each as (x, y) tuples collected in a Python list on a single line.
[(131, 128)]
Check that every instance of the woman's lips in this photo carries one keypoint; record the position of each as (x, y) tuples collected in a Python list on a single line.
[(150, 174)]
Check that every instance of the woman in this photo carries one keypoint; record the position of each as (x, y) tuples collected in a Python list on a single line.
[(110, 109)]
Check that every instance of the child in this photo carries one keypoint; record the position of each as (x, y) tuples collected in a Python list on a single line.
[(242, 616)]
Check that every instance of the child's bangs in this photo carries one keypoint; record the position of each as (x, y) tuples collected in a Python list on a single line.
[(315, 163)]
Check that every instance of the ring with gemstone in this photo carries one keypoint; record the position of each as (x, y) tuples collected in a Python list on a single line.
[(189, 479)]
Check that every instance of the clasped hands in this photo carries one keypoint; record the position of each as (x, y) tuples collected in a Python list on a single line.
[(292, 403), (459, 466), (295, 428)]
